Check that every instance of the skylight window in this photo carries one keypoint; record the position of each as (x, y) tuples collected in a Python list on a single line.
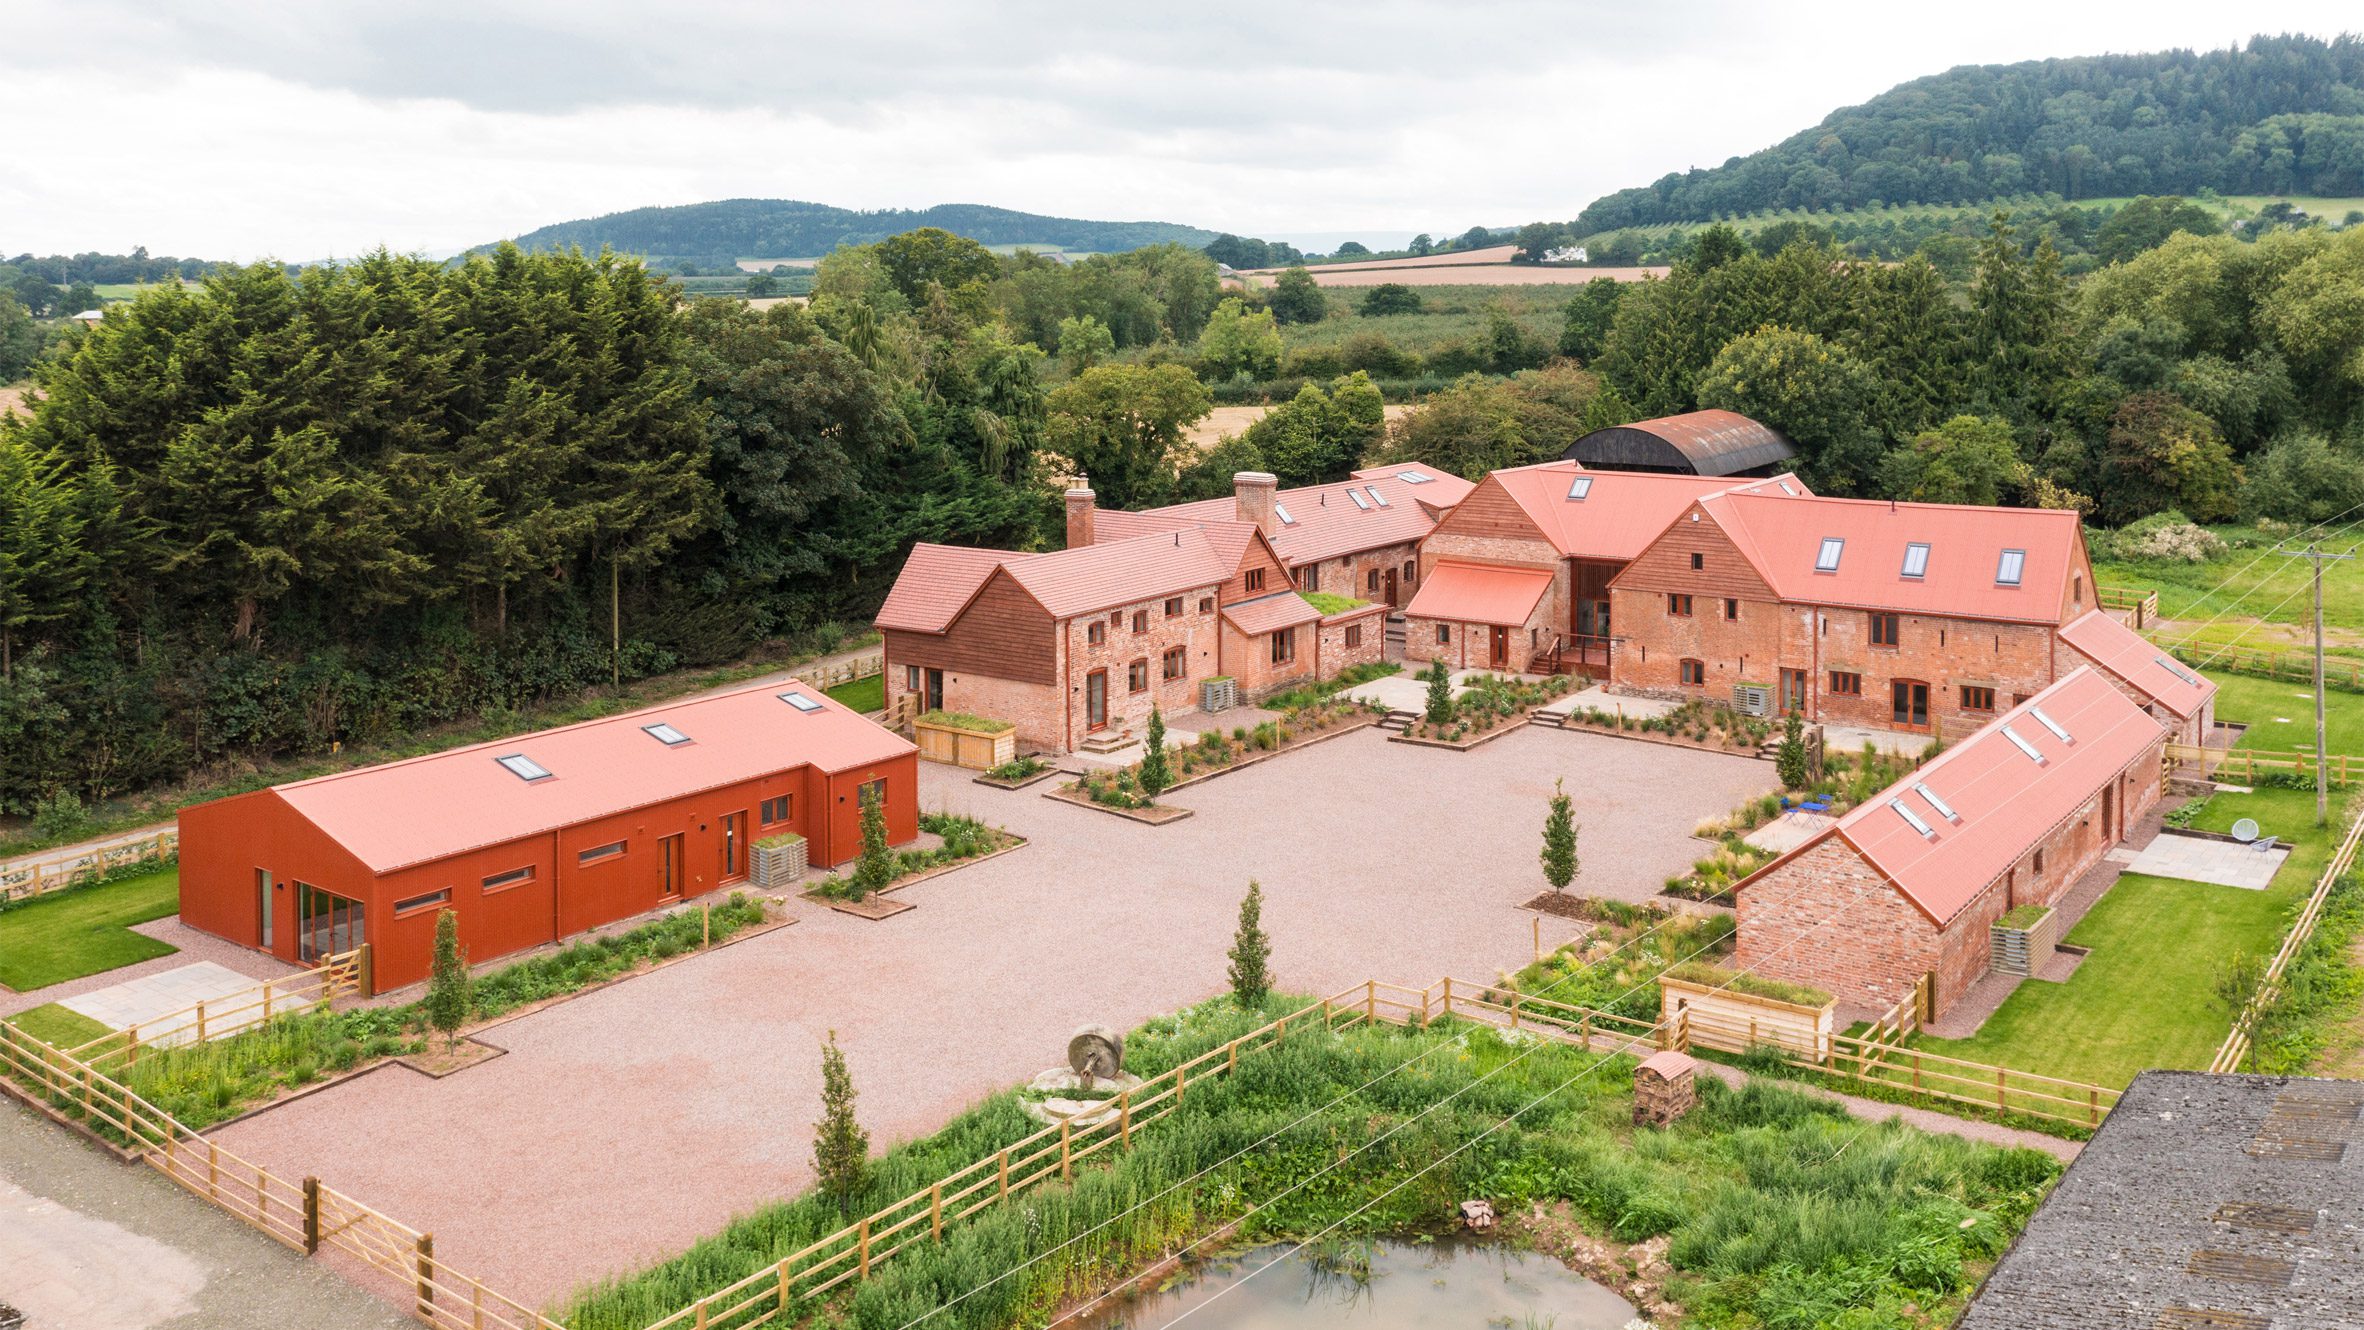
[(1283, 510), (1579, 487), (1944, 810), (1916, 560), (2178, 671), (2050, 724), (1414, 477), (800, 701), (1827, 561), (1912, 819), (2008, 568), (1788, 489), (1359, 500), (1376, 496), (524, 768), (665, 734), (2022, 745)]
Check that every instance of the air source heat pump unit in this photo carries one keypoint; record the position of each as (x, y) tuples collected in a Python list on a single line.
[(1218, 695), (1752, 699)]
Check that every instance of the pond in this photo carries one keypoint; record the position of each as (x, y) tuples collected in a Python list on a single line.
[(1380, 1285)]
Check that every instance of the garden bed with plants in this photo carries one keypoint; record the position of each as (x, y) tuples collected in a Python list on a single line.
[(1847, 779), (1019, 773), (881, 870), (1133, 790), (1695, 724), (1490, 706), (1615, 968), (205, 1085), (1765, 1206)]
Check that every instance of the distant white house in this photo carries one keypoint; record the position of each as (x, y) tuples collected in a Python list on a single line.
[(89, 318), (1566, 254)]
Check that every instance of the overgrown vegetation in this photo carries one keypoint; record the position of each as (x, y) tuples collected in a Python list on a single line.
[(1779, 1209), (1616, 968)]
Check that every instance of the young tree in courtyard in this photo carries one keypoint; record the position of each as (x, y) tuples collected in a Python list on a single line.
[(1559, 839), (876, 868), (841, 1149), (1156, 772), (1440, 693), (1790, 761), (1251, 950), (447, 982)]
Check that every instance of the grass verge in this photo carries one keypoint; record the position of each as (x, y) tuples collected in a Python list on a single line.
[(58, 1026), (85, 930), (863, 695)]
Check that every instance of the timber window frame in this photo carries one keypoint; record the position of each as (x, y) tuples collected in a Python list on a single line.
[(1846, 683), (1692, 673), (1886, 630), (1137, 676)]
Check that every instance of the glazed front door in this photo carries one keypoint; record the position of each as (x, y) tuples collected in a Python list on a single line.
[(1096, 700), (1393, 595), (1498, 650), (935, 690), (669, 865), (1911, 704), (1793, 690), (734, 846)]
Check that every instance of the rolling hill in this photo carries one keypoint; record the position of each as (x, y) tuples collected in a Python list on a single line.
[(2281, 116), (720, 233)]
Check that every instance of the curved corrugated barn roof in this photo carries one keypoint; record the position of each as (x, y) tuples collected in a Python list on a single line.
[(1700, 443)]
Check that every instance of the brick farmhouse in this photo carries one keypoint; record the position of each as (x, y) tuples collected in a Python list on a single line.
[(1517, 576), (1897, 616), (531, 839), (1907, 883)]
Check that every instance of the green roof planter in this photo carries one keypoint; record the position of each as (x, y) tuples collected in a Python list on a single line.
[(780, 861), (1735, 1012), (1330, 604), (2023, 939)]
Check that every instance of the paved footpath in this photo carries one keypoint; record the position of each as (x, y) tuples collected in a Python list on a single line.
[(88, 1243)]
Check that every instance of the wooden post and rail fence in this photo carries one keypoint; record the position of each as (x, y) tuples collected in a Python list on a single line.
[(35, 875), (2295, 666), (2249, 764), (308, 1215), (338, 976), (2141, 607), (2236, 1045)]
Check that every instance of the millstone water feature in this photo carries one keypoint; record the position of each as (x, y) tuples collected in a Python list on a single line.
[(1449, 1284)]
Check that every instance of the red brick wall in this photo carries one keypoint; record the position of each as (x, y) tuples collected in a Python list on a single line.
[(1370, 632), (1471, 644), (1196, 631), (1038, 710), (1355, 574)]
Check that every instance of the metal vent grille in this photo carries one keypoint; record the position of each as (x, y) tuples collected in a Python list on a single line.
[(2241, 1268), (2201, 1318), (2265, 1218)]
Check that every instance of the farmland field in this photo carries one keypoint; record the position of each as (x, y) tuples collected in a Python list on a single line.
[(1448, 313), (1525, 274)]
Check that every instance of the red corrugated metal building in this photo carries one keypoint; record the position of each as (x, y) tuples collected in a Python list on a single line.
[(538, 837)]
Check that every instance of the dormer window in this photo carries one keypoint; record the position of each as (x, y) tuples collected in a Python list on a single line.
[(1916, 560), (665, 734), (1578, 488), (524, 768), (1827, 559), (2009, 567), (800, 701)]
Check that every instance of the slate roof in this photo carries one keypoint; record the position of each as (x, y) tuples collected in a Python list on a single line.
[(399, 814), (1781, 539), (2125, 653), (2003, 802), (2232, 1202)]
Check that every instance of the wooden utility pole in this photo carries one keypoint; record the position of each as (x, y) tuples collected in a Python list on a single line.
[(2314, 555)]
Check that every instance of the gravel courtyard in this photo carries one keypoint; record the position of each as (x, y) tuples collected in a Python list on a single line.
[(622, 1126)]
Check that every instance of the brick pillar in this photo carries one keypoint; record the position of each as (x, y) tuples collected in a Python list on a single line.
[(1080, 507), (1255, 493)]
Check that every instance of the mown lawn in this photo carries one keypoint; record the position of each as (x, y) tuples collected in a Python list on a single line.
[(2143, 998), (2280, 714), (862, 694), (53, 1024), (84, 930)]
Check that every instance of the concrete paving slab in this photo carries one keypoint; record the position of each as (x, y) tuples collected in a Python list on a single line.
[(1852, 738), (2201, 859), (1597, 698), (1788, 831), (153, 997)]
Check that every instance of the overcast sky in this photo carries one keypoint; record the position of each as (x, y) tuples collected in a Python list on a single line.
[(244, 128)]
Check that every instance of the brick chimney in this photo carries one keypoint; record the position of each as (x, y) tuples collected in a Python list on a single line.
[(1079, 516), (1254, 491)]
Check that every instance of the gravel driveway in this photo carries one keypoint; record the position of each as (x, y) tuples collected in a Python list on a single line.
[(626, 1124)]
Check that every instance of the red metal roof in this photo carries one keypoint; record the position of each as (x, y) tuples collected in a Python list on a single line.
[(427, 808), (1328, 522), (2007, 802), (2123, 652), (1621, 511), (1479, 593), (1781, 537), (1269, 614)]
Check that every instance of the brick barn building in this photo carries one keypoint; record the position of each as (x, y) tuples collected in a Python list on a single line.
[(1074, 647), (1907, 883), (1517, 576), (538, 837), (1897, 616), (1358, 537), (2177, 696)]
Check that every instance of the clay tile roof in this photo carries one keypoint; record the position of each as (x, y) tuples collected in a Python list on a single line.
[(1479, 593), (1328, 520), (1621, 511), (1095, 577), (1782, 538), (2007, 802), (936, 583), (427, 808), (2123, 652), (1268, 614)]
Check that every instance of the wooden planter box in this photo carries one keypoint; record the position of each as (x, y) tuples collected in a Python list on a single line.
[(780, 866), (2023, 950), (1733, 1022), (978, 750)]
